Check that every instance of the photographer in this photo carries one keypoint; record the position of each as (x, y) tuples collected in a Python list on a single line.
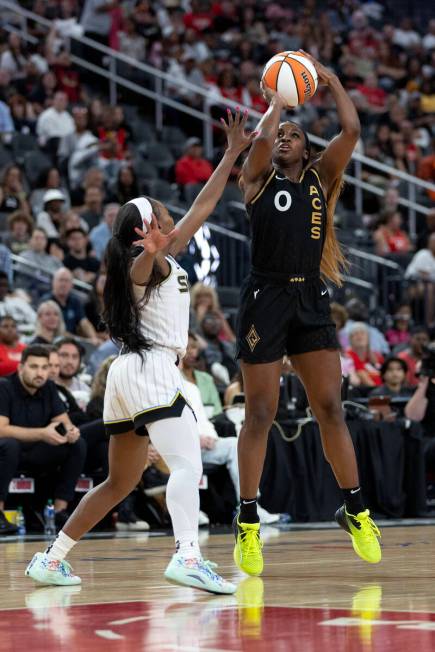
[(36, 432), (421, 407)]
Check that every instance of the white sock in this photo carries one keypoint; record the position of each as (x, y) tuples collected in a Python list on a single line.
[(187, 545), (60, 547)]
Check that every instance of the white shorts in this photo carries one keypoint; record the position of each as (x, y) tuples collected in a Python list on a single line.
[(142, 391)]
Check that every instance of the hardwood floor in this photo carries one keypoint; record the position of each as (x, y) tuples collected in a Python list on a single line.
[(314, 594)]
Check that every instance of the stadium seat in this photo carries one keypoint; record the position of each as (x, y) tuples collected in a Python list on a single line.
[(35, 163), (162, 190), (22, 143), (175, 138), (160, 155)]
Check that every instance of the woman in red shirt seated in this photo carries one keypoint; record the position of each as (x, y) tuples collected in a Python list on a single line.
[(367, 363), (389, 237), (10, 346)]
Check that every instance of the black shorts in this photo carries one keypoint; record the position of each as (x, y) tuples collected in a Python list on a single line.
[(279, 319)]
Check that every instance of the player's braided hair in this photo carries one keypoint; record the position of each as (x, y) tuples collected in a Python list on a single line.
[(121, 312)]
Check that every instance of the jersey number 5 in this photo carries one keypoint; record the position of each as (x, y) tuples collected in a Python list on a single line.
[(182, 283)]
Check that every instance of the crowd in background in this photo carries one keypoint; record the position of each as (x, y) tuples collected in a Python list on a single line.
[(69, 159)]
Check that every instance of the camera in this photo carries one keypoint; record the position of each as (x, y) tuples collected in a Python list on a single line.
[(428, 361), (61, 429)]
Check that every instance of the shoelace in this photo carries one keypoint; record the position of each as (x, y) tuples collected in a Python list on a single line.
[(251, 540), (66, 568), (368, 527), (209, 566)]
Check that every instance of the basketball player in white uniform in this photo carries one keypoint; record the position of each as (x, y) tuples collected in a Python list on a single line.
[(146, 308)]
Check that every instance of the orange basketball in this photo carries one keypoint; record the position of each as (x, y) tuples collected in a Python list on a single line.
[(292, 75)]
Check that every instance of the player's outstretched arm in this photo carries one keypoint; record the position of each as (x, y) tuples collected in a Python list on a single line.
[(337, 154), (205, 203), (258, 161)]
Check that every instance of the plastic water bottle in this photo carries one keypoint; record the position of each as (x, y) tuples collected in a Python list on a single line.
[(20, 522), (49, 522)]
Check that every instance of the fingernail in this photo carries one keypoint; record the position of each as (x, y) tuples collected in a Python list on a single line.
[(237, 108), (228, 110)]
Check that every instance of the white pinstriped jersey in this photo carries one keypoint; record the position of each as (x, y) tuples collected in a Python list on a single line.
[(164, 319)]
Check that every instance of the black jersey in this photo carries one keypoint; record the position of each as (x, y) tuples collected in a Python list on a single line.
[(288, 223)]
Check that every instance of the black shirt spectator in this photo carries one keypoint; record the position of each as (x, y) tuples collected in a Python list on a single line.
[(30, 410)]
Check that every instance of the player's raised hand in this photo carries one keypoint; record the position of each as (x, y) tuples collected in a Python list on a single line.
[(153, 240), (238, 139), (324, 75), (270, 95)]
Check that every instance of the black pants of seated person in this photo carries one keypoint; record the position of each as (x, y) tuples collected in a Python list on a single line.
[(97, 441), (67, 460)]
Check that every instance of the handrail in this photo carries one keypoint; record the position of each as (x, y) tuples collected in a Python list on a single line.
[(198, 90), (78, 285), (373, 258)]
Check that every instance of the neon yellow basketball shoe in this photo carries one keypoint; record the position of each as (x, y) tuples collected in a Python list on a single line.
[(364, 533), (248, 554)]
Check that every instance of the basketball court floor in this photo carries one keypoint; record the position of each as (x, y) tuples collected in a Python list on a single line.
[(315, 595)]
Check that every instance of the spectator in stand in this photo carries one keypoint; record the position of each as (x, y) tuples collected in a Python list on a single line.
[(55, 122), (399, 334), (218, 354), (72, 220), (22, 115), (192, 167), (20, 226), (72, 308), (7, 125), (234, 389), (92, 211), (126, 186), (49, 180), (229, 85), (101, 234), (426, 169), (393, 374), (94, 306), (12, 194), (30, 412), (374, 95), (389, 237), (339, 317), (113, 143), (10, 346), (358, 311), (131, 43), (36, 254), (422, 270), (79, 150), (42, 93), (367, 362), (83, 266), (68, 78), (70, 358), (53, 214), (421, 408), (205, 299), (205, 383), (13, 59), (96, 21), (253, 97), (199, 18), (15, 306), (49, 323), (414, 353), (6, 263)]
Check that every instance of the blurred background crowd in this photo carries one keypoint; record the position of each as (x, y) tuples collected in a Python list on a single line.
[(69, 157)]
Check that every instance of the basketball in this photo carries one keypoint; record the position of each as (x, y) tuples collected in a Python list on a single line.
[(292, 75)]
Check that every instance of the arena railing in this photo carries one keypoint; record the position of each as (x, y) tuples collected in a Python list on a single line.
[(161, 80)]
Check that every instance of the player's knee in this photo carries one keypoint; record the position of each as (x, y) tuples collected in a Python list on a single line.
[(259, 417), (329, 410), (122, 486)]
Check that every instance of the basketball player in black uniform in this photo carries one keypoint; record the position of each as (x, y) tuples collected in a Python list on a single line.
[(285, 308)]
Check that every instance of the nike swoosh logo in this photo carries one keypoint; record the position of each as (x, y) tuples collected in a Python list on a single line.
[(324, 292), (255, 293), (355, 491), (280, 178)]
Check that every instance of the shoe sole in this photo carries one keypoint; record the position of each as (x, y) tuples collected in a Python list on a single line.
[(190, 584)]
